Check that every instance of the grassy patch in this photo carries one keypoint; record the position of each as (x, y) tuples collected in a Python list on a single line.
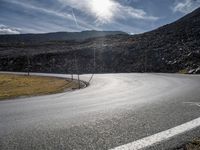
[(194, 145), (183, 71), (12, 86)]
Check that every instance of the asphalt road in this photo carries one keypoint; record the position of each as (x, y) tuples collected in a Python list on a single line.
[(114, 110)]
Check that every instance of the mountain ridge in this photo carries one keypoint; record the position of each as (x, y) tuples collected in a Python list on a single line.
[(54, 36), (171, 48)]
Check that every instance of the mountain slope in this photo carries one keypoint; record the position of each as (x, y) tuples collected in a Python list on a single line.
[(172, 48), (58, 36)]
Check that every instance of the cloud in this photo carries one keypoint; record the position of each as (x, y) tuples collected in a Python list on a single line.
[(114, 11), (68, 16), (8, 30), (75, 15), (127, 11), (186, 6), (41, 9)]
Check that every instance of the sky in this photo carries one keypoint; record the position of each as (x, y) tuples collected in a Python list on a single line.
[(131, 16)]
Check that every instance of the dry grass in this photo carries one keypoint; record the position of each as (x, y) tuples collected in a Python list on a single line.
[(194, 145), (183, 71), (12, 86)]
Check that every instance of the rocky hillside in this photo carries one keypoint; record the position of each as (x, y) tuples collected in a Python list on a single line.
[(172, 48), (58, 36)]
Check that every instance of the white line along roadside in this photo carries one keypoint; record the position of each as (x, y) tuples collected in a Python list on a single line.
[(159, 137)]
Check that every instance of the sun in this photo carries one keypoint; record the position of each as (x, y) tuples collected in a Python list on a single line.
[(102, 9)]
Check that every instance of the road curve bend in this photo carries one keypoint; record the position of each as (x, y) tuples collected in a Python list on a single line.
[(115, 109)]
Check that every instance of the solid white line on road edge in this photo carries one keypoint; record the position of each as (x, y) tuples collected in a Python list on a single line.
[(159, 137)]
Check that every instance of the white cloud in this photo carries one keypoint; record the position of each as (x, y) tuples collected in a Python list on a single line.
[(114, 11), (127, 11), (87, 15), (65, 15), (41, 9), (8, 30), (186, 6)]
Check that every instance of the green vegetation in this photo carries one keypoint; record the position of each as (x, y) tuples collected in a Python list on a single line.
[(12, 86)]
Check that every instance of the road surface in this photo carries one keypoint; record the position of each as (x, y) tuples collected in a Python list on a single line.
[(115, 110)]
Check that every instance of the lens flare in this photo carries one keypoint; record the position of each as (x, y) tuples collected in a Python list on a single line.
[(103, 9)]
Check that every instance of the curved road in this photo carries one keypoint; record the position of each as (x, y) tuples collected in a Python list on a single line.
[(114, 110)]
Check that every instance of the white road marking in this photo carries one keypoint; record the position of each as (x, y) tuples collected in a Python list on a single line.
[(159, 137)]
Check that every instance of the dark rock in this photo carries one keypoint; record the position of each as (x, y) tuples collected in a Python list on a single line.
[(197, 71)]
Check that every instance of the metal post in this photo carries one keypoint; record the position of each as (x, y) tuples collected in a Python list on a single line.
[(79, 84), (77, 70), (94, 60), (28, 59), (145, 66), (72, 77)]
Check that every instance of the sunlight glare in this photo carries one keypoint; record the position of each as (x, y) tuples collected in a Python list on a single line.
[(102, 9)]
